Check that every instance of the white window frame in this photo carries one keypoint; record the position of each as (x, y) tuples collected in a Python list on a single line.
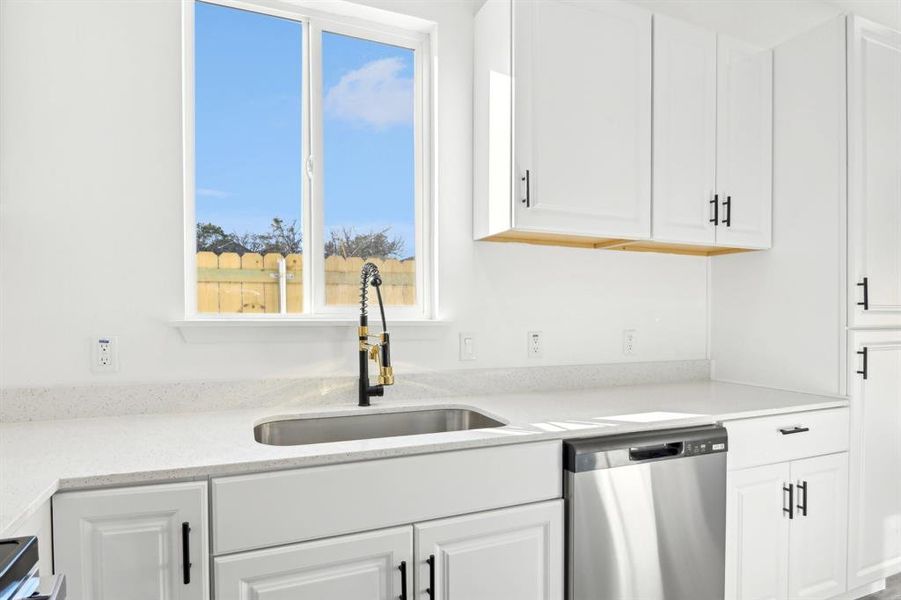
[(417, 37)]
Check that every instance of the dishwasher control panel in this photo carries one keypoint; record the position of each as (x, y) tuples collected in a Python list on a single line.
[(697, 447)]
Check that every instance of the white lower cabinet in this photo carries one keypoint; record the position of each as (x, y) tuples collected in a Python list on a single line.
[(369, 566), (757, 534), (140, 543), (509, 554), (819, 530), (786, 530)]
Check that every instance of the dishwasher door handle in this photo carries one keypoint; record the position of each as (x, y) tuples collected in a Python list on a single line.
[(652, 452)]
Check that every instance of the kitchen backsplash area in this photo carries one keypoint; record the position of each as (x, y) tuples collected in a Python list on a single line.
[(85, 401)]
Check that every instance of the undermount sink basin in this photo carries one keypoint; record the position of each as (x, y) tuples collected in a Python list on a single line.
[(317, 430)]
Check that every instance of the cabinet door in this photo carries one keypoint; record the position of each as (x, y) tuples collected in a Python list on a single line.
[(582, 75), (684, 132), (128, 543), (874, 173), (819, 532), (757, 533), (510, 554), (368, 566), (744, 148), (875, 457)]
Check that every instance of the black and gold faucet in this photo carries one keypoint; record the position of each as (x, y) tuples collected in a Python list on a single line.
[(380, 352)]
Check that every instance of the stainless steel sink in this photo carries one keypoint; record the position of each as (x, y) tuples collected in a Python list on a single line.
[(316, 430)]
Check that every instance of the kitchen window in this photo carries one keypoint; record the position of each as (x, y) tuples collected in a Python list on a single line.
[(308, 155)]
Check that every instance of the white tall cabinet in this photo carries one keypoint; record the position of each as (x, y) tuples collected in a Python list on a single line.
[(148, 542), (875, 515), (874, 174), (874, 298)]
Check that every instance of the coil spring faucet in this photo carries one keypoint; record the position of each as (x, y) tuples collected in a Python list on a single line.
[(380, 352)]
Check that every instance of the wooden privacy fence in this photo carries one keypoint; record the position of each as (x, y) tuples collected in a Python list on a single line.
[(265, 283)]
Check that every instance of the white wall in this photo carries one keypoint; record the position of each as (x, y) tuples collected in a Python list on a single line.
[(91, 223), (777, 317)]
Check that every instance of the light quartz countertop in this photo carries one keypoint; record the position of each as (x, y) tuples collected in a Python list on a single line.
[(39, 458)]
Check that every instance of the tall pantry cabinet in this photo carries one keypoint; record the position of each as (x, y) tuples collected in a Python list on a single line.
[(821, 312), (874, 284)]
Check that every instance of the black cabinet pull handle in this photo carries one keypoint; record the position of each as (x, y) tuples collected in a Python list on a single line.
[(431, 591), (865, 284), (186, 552), (716, 209), (802, 487), (727, 220), (791, 430), (528, 198), (790, 511), (865, 354), (403, 579)]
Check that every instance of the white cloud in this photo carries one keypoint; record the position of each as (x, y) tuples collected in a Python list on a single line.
[(375, 94), (211, 193)]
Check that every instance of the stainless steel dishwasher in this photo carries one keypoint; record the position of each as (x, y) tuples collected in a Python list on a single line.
[(646, 515)]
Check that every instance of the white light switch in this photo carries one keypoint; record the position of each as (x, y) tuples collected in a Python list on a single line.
[(467, 346)]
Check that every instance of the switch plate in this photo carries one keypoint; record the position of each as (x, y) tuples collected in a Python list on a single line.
[(467, 346), (629, 341), (104, 354), (535, 347)]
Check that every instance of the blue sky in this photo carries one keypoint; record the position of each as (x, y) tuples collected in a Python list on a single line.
[(248, 125)]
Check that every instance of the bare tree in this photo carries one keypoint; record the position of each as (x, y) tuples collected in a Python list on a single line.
[(281, 238), (346, 242)]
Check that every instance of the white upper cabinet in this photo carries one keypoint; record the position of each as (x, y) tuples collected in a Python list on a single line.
[(874, 174), (874, 381), (582, 92), (744, 144), (590, 117), (684, 132), (713, 139), (148, 542)]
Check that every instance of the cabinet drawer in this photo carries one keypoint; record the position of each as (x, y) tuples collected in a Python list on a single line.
[(767, 440), (267, 509)]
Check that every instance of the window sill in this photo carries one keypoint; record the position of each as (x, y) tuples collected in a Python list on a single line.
[(214, 330)]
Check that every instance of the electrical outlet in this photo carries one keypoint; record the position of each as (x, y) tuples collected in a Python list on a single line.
[(629, 341), (467, 346), (104, 354), (535, 348)]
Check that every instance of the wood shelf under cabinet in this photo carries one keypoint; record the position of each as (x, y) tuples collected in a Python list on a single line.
[(575, 241)]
